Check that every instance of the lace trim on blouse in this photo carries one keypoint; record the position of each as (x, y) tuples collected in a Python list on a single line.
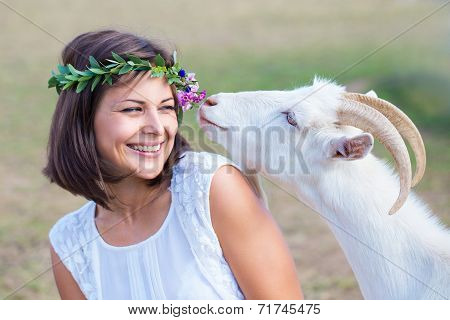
[(192, 193)]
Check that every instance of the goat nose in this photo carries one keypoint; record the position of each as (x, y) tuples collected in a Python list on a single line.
[(210, 102)]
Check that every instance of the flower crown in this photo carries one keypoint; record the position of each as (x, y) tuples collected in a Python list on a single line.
[(187, 86)]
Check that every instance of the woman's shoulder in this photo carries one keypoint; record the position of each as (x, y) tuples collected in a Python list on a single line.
[(71, 239), (70, 226), (193, 178), (199, 168), (195, 171), (204, 162)]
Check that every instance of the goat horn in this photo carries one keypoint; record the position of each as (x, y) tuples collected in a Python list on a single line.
[(404, 126), (359, 115)]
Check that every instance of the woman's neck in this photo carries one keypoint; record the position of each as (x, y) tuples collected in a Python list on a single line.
[(130, 198)]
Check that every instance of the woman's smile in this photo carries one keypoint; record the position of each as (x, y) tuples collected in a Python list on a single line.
[(149, 151)]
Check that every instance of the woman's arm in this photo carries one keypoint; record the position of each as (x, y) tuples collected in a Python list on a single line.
[(66, 284), (250, 239)]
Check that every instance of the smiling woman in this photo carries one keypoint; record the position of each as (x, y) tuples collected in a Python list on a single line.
[(151, 228), (136, 126), (74, 162)]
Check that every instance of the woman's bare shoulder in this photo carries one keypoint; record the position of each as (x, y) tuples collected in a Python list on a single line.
[(251, 240)]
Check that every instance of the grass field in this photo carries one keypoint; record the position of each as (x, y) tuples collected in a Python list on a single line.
[(232, 46)]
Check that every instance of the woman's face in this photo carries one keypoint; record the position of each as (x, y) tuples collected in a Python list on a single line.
[(138, 115)]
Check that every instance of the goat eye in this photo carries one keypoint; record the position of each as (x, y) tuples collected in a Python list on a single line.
[(291, 119)]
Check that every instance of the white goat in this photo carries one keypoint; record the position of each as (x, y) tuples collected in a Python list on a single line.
[(401, 256)]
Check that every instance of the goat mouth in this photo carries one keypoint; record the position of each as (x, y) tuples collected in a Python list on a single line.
[(205, 122)]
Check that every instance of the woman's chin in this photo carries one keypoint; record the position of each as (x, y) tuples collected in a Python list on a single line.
[(147, 174), (148, 171)]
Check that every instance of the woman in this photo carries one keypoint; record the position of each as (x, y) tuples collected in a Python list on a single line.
[(163, 221)]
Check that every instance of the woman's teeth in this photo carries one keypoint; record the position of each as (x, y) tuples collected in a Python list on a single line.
[(146, 148)]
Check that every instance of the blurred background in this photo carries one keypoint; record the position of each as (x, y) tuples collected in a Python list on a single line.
[(232, 46)]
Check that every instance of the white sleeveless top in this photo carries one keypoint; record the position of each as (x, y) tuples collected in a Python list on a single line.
[(182, 260)]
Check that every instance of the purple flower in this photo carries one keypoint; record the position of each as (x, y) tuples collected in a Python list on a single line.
[(190, 76), (186, 98), (186, 107), (182, 73), (194, 88)]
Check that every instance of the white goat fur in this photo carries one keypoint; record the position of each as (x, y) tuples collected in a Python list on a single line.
[(404, 256)]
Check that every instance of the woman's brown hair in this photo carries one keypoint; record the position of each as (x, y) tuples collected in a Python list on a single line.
[(73, 161)]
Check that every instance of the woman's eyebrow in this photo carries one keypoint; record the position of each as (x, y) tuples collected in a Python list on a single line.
[(143, 102), (167, 99)]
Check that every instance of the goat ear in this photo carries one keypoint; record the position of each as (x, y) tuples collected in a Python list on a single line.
[(351, 148)]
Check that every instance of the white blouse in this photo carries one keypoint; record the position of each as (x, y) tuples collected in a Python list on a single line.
[(182, 260)]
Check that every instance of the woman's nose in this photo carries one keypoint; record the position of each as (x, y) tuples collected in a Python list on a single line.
[(210, 102), (153, 124)]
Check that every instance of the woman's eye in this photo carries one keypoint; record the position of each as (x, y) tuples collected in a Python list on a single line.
[(127, 110), (131, 109), (168, 107)]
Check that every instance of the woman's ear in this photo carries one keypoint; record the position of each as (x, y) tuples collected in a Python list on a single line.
[(351, 148)]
